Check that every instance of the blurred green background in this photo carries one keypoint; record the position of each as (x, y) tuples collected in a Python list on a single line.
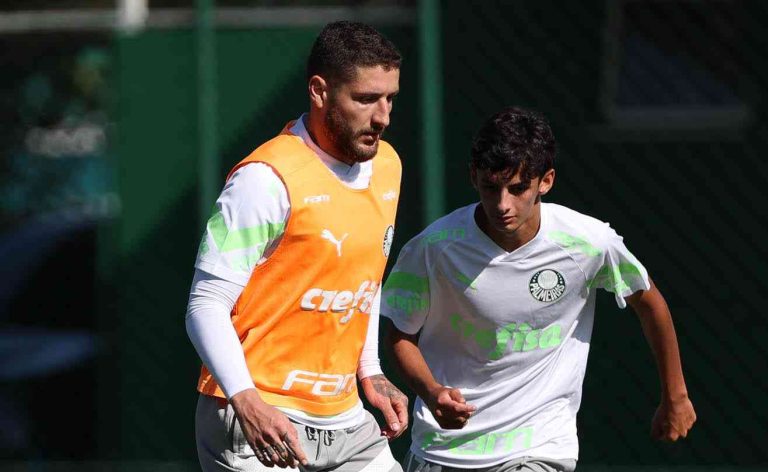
[(659, 109)]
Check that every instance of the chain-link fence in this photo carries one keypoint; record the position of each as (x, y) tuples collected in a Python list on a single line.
[(659, 110)]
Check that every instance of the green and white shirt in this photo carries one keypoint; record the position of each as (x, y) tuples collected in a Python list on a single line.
[(511, 330)]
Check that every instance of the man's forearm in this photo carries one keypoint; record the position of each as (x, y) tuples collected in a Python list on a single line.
[(411, 363), (210, 329), (659, 331), (369, 358)]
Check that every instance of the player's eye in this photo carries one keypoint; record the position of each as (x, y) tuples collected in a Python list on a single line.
[(367, 99), (518, 188)]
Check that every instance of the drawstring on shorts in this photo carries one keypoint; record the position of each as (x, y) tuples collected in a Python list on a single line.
[(328, 436)]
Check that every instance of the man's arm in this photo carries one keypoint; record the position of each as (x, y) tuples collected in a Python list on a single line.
[(675, 415), (210, 329), (393, 404), (447, 404), (378, 390), (249, 219)]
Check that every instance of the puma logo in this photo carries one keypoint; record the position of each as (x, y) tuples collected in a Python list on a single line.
[(326, 234)]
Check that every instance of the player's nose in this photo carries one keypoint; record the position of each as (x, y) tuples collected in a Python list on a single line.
[(505, 202), (380, 118)]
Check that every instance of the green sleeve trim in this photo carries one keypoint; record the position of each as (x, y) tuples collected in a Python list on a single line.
[(614, 277), (254, 236), (407, 281), (417, 300)]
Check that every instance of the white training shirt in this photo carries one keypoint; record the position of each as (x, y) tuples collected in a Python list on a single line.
[(511, 330), (247, 225)]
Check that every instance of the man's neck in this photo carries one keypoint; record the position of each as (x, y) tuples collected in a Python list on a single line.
[(314, 130)]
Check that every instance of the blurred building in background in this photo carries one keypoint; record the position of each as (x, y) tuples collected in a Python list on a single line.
[(120, 119)]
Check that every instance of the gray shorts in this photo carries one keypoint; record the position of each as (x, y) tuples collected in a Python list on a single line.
[(221, 445), (413, 463)]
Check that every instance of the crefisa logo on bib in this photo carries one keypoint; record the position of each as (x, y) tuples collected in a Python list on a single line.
[(547, 285), (389, 233)]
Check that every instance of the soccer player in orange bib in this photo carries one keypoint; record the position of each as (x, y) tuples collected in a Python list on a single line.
[(283, 308)]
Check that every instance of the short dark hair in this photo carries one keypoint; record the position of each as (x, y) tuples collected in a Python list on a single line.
[(344, 45), (515, 140)]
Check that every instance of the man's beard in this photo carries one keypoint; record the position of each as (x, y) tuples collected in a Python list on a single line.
[(344, 138)]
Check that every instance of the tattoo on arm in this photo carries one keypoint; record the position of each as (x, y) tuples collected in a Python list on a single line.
[(385, 388)]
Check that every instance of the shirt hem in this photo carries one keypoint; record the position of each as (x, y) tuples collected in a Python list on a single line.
[(439, 461)]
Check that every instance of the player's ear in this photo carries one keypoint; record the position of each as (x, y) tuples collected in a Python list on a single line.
[(318, 91), (546, 182)]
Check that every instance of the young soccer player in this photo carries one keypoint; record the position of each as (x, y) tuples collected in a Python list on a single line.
[(493, 306)]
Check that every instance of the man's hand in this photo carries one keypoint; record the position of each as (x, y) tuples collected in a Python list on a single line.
[(449, 407), (392, 403), (271, 435), (673, 420)]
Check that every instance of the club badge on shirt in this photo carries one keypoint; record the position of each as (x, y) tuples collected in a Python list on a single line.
[(547, 285), (389, 233)]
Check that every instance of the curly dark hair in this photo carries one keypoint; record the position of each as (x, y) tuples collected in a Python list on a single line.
[(515, 140), (344, 45)]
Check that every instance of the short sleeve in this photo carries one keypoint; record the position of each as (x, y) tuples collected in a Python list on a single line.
[(248, 220), (405, 297), (620, 272)]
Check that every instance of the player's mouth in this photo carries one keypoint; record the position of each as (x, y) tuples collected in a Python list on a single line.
[(505, 220), (370, 138)]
